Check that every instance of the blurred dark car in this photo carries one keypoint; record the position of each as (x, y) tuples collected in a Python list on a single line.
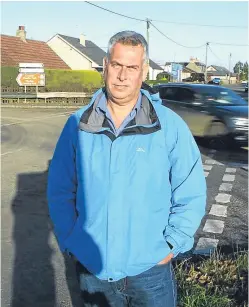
[(246, 87), (216, 81), (216, 113)]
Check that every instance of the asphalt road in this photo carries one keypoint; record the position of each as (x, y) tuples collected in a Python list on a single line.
[(34, 273)]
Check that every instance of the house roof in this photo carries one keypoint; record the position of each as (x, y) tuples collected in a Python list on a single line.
[(200, 64), (15, 51), (92, 51), (188, 70), (154, 65), (220, 69)]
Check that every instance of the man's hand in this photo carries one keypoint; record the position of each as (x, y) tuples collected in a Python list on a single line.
[(166, 259)]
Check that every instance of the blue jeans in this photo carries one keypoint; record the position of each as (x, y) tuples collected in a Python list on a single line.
[(155, 287)]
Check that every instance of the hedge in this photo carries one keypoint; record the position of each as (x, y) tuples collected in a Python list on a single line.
[(58, 79), (8, 76)]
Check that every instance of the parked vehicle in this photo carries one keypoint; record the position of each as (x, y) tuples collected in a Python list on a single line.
[(216, 81), (246, 87), (195, 77), (216, 113)]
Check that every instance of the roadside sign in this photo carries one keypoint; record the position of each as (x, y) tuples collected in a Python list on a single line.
[(31, 79), (35, 65), (31, 70)]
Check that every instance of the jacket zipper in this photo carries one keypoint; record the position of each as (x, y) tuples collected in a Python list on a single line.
[(107, 211)]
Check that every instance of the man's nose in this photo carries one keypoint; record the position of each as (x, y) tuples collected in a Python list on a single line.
[(122, 74)]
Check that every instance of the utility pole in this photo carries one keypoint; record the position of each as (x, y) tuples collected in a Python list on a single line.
[(239, 73), (148, 39), (230, 56), (207, 44)]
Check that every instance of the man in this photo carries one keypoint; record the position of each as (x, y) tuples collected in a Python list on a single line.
[(126, 188)]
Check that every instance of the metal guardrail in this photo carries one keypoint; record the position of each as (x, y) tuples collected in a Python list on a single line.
[(47, 97)]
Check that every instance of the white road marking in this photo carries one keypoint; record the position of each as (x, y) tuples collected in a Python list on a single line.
[(213, 162), (206, 245), (228, 177), (223, 198), (210, 162), (230, 170), (11, 152), (218, 210), (219, 163), (206, 174), (207, 167), (36, 119), (227, 187), (214, 226)]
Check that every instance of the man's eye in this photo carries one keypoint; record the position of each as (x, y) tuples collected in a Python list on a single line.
[(132, 68)]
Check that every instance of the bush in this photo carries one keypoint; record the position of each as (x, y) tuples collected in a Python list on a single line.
[(163, 76), (58, 79)]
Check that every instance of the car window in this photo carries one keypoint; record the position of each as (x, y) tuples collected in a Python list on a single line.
[(168, 93), (221, 96), (185, 95)]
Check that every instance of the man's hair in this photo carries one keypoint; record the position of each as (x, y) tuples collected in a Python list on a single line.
[(129, 38)]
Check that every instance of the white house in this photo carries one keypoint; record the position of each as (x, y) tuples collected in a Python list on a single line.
[(78, 53), (154, 70), (82, 54)]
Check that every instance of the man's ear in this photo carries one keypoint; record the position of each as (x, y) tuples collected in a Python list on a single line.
[(105, 61), (145, 71)]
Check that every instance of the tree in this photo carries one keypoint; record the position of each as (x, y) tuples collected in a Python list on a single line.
[(238, 67), (241, 69)]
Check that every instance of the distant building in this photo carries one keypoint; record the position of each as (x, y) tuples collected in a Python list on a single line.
[(154, 70), (193, 66), (78, 53), (214, 71)]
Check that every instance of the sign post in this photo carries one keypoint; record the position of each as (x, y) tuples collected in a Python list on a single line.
[(31, 74)]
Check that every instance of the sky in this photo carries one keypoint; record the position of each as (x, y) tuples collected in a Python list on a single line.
[(44, 19)]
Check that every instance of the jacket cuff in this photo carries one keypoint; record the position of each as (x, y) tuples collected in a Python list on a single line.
[(175, 249)]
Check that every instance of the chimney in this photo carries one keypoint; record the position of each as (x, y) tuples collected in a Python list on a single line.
[(21, 33), (83, 40)]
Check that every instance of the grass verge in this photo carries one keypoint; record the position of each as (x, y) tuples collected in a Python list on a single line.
[(217, 281)]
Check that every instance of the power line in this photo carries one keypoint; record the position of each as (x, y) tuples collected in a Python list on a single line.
[(102, 8), (174, 40), (215, 54), (171, 22), (224, 44), (145, 20), (200, 25)]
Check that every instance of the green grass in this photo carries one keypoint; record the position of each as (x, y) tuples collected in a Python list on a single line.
[(218, 281)]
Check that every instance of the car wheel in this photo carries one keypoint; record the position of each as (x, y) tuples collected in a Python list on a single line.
[(217, 135)]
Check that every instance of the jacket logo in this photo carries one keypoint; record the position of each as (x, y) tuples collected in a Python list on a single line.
[(140, 149)]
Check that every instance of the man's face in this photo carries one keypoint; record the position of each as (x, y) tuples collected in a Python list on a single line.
[(124, 72)]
